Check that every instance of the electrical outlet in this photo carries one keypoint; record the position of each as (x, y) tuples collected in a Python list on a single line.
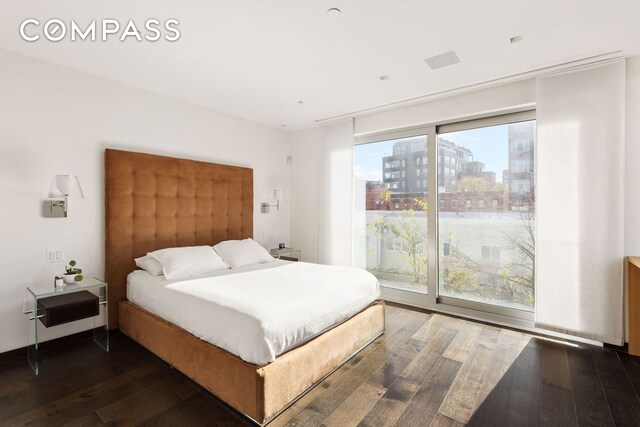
[(265, 234), (55, 255)]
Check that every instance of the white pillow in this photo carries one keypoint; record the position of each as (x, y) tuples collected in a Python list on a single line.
[(179, 263), (149, 264), (240, 253)]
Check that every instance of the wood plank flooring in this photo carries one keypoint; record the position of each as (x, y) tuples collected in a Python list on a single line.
[(427, 370)]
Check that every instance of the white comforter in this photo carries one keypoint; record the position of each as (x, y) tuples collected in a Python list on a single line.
[(258, 314)]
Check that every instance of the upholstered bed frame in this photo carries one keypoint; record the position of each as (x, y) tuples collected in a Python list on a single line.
[(154, 202)]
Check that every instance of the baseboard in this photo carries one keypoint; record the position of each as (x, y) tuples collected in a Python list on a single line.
[(622, 348)]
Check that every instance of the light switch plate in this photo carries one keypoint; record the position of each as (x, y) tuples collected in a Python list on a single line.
[(55, 255)]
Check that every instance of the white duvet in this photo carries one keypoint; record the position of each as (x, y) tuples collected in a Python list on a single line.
[(259, 312)]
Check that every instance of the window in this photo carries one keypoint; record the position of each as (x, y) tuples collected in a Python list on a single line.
[(521, 165), (397, 244), (486, 262), (392, 164), (520, 185), (397, 256), (491, 253), (465, 250)]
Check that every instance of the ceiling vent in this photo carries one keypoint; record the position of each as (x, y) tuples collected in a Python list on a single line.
[(442, 60)]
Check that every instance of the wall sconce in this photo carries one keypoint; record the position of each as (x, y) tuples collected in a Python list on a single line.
[(61, 186), (278, 195)]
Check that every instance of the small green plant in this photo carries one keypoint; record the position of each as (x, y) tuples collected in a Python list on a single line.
[(71, 269)]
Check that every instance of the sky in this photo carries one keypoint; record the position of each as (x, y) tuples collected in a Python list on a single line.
[(488, 145)]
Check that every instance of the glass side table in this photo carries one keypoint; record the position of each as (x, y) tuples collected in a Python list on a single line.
[(50, 306), (287, 254)]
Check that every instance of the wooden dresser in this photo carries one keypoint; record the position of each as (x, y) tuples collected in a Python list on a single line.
[(633, 281)]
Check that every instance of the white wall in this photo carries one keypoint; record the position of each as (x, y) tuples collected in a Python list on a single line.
[(492, 100), (304, 193), (54, 120)]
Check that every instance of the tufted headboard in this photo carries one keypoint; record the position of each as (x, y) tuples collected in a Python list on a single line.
[(154, 202)]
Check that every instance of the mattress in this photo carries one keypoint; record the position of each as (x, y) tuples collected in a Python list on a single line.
[(261, 311)]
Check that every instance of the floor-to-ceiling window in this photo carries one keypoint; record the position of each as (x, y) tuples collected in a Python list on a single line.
[(445, 214), (486, 214), (391, 181)]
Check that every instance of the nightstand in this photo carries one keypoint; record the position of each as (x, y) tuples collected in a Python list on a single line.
[(51, 306), (287, 254)]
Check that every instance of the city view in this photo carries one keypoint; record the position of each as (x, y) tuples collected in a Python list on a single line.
[(486, 213)]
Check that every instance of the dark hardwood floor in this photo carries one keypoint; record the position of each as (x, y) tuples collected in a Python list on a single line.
[(428, 369)]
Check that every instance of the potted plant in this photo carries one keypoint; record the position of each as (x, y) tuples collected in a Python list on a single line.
[(72, 274)]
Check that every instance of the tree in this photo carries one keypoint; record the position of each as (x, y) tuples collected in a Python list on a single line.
[(519, 275), (459, 271), (477, 184), (407, 226), (514, 280)]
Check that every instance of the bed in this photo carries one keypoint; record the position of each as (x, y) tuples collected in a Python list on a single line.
[(154, 202)]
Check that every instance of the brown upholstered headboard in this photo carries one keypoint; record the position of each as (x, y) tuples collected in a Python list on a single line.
[(154, 202)]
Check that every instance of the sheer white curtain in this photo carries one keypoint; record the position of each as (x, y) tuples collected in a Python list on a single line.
[(335, 182), (580, 202)]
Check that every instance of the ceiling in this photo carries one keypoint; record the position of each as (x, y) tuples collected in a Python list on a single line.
[(256, 59)]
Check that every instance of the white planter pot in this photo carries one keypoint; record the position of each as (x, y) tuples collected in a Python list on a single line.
[(69, 279)]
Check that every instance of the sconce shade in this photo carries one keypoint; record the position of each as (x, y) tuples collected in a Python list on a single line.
[(64, 186), (278, 195)]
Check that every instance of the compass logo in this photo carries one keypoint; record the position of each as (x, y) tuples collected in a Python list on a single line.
[(104, 30)]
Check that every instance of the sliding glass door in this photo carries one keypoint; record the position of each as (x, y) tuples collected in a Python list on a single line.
[(391, 188), (445, 215), (486, 215)]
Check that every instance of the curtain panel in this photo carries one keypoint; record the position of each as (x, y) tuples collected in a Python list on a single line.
[(335, 188), (580, 202)]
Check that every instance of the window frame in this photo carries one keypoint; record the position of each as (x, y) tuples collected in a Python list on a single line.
[(468, 307), (431, 300)]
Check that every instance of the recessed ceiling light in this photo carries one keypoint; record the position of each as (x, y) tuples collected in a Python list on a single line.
[(334, 11), (385, 77), (301, 102), (516, 39), (442, 60)]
